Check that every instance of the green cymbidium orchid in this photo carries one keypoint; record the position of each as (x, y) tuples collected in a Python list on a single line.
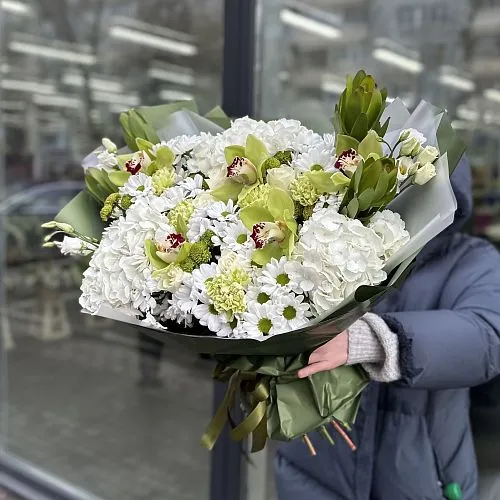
[(273, 227), (244, 169)]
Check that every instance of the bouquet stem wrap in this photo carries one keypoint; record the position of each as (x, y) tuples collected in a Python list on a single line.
[(270, 392)]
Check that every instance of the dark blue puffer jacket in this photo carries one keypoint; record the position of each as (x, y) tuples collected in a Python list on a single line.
[(414, 436)]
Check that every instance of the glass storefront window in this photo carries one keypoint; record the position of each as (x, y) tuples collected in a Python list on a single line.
[(91, 402)]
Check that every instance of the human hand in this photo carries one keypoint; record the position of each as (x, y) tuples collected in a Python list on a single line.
[(327, 357)]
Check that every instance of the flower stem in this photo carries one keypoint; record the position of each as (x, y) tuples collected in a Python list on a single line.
[(344, 435), (324, 432), (310, 446)]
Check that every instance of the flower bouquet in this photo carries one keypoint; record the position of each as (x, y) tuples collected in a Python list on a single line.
[(258, 241)]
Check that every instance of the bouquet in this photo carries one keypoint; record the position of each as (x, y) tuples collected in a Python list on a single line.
[(258, 241)]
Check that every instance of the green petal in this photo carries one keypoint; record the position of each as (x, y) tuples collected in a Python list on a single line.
[(345, 142), (119, 177), (165, 156), (231, 152), (183, 252), (122, 159), (254, 214), (263, 256), (154, 260), (229, 190), (340, 181), (255, 150), (143, 145), (370, 145), (279, 202)]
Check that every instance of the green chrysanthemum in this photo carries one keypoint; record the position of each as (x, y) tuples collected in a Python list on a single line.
[(179, 215), (200, 253), (269, 164), (227, 294), (163, 179), (307, 212), (126, 201), (188, 265), (109, 204), (284, 157), (303, 191), (258, 194), (206, 237)]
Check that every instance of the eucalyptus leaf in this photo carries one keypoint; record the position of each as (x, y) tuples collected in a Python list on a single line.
[(366, 198), (352, 208)]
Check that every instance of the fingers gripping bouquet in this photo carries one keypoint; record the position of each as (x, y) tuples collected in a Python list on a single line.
[(257, 242)]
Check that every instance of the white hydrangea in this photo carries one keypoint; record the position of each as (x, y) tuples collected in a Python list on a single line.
[(119, 274), (338, 254), (391, 229)]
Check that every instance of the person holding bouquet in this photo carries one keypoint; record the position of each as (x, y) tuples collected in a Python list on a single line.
[(423, 348)]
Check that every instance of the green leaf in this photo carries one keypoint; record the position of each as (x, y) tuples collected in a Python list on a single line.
[(154, 260), (102, 178), (255, 150), (279, 202), (369, 145), (345, 142), (382, 185), (263, 256), (231, 152), (383, 128), (165, 156), (358, 174), (375, 108), (95, 189), (352, 208), (82, 212), (119, 177), (358, 78), (127, 134), (371, 175), (254, 214), (136, 125), (353, 109), (365, 199), (360, 127), (229, 190)]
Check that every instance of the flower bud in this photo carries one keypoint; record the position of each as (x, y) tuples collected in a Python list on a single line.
[(49, 225), (412, 145), (406, 166), (428, 155), (109, 145), (281, 177), (242, 170), (424, 174)]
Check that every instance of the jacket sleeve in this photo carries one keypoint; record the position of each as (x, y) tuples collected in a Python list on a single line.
[(460, 346)]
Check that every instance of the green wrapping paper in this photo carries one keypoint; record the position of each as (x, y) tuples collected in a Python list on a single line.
[(272, 395)]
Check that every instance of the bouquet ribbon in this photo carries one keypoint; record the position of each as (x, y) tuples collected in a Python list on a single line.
[(278, 404)]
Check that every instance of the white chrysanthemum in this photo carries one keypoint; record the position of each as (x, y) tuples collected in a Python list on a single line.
[(138, 185), (329, 201), (180, 144), (391, 229), (340, 254), (199, 277), (274, 277), (295, 311), (237, 238), (207, 315), (192, 186), (259, 322), (320, 154), (119, 273), (214, 217)]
